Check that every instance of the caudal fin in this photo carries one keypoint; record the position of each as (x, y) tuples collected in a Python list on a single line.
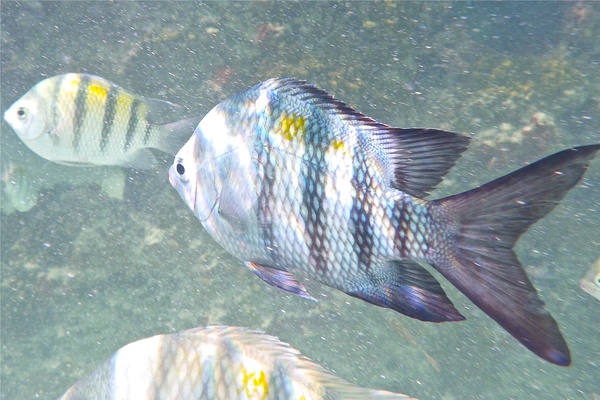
[(175, 134), (485, 223)]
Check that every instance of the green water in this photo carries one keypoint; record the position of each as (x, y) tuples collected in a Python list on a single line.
[(83, 274)]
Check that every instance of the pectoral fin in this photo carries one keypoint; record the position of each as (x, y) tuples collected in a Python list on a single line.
[(239, 193), (281, 279), (233, 210)]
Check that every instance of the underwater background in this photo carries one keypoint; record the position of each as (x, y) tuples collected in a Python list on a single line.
[(85, 270)]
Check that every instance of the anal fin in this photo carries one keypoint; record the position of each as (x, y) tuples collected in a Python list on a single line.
[(408, 288), (280, 279)]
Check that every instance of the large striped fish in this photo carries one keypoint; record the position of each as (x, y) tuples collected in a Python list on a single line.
[(215, 363), (295, 183), (81, 119)]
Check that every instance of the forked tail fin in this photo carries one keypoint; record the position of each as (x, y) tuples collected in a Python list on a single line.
[(175, 134), (485, 223)]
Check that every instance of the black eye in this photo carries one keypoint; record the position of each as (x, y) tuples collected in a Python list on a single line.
[(21, 113), (180, 169)]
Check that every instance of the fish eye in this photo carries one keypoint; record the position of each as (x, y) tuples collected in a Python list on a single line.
[(180, 169), (22, 113)]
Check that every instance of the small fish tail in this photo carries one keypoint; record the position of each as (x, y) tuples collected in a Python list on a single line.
[(476, 252), (174, 135)]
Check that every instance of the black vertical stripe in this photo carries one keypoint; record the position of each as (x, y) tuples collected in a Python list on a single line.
[(265, 197), (402, 217), (314, 216), (147, 132), (80, 108), (360, 215), (414, 226), (132, 124), (109, 116), (313, 198), (400, 224)]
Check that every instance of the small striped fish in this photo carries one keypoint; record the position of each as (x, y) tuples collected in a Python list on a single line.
[(215, 363), (18, 191), (295, 183), (81, 119)]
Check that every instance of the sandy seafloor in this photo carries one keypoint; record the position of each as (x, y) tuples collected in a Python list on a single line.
[(82, 273)]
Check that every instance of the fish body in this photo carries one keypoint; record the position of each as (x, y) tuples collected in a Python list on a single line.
[(295, 183), (18, 191), (590, 282), (214, 363), (81, 119)]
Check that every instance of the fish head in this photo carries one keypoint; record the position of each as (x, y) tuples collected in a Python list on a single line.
[(203, 168), (192, 174), (27, 116)]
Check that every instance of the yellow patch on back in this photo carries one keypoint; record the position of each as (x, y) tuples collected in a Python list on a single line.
[(339, 146), (291, 127), (255, 384), (338, 149), (96, 95)]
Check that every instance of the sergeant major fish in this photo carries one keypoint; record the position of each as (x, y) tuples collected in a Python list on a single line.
[(81, 119), (215, 363), (293, 182)]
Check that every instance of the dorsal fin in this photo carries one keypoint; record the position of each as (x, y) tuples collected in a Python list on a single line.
[(418, 158), (421, 157)]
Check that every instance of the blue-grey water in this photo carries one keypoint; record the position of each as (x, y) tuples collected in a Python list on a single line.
[(83, 273)]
